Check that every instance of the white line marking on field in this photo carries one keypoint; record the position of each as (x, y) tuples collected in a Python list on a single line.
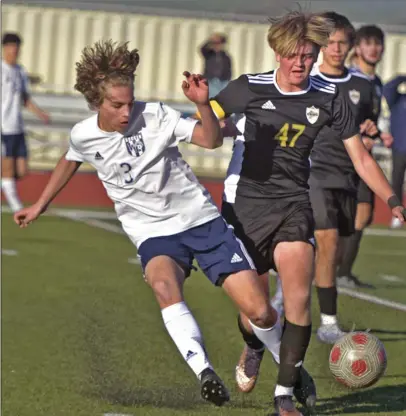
[(392, 278), (7, 252), (384, 233), (116, 414), (372, 299), (134, 260), (401, 253)]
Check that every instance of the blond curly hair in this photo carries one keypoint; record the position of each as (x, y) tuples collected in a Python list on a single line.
[(104, 63), (286, 33)]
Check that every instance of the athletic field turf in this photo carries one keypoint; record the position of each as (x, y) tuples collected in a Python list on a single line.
[(82, 334)]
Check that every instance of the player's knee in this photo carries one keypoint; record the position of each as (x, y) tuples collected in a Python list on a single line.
[(298, 299), (7, 169), (263, 316), (327, 241), (166, 292)]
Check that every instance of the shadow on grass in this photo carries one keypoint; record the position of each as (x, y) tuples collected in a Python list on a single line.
[(383, 400)]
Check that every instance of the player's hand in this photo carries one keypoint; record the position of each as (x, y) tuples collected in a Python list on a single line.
[(195, 88), (400, 213), (26, 216), (387, 139), (368, 142), (369, 128)]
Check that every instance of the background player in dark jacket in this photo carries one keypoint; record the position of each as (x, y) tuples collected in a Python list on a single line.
[(395, 97), (369, 48), (333, 179), (266, 191)]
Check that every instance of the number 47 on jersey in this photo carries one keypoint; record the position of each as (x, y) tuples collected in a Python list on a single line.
[(289, 133)]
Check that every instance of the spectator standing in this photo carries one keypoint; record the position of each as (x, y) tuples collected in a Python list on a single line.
[(217, 63)]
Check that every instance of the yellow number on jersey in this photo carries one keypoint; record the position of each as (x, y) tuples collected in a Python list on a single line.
[(283, 134)]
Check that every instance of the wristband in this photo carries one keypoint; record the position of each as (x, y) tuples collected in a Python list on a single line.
[(394, 201)]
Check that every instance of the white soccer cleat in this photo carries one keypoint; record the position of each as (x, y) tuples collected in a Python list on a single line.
[(396, 223), (329, 334)]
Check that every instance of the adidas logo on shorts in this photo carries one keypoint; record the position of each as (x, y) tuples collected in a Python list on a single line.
[(236, 258), (268, 105)]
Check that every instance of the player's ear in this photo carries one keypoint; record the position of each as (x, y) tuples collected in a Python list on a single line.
[(277, 57)]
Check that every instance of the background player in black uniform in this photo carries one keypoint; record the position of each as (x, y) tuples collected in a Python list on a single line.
[(266, 192), (369, 48), (333, 179)]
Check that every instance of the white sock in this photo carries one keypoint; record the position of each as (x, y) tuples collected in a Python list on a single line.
[(186, 334), (328, 319), (271, 338), (283, 391), (279, 293), (8, 185)]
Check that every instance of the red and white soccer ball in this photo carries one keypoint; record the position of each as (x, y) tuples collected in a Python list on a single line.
[(358, 360)]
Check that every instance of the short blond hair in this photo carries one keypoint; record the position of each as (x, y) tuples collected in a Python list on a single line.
[(288, 32), (104, 63)]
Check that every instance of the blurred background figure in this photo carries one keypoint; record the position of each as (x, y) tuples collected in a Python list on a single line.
[(395, 94), (217, 63), (14, 96)]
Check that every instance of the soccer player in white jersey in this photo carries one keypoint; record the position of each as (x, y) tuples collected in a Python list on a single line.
[(163, 209), (14, 95)]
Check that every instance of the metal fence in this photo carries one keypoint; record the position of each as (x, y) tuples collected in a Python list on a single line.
[(54, 38)]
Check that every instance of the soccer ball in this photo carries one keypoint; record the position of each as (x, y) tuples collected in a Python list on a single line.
[(358, 360)]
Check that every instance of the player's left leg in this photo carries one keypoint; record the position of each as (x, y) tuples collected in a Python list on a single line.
[(351, 245), (326, 207), (10, 145), (166, 264), (21, 154), (295, 263)]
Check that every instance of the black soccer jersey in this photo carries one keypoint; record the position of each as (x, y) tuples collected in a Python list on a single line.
[(331, 167), (378, 89), (280, 129)]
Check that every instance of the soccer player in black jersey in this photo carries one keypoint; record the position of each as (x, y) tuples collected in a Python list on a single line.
[(333, 178), (369, 48), (266, 192)]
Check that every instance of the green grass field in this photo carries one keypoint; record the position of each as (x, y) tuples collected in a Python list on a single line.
[(82, 334)]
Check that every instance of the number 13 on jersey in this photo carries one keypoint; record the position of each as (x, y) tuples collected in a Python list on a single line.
[(289, 133)]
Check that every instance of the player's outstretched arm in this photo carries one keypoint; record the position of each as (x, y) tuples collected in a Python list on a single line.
[(369, 170), (61, 175), (208, 134)]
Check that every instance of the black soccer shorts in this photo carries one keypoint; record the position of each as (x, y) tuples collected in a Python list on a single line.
[(334, 209), (263, 223), (365, 194)]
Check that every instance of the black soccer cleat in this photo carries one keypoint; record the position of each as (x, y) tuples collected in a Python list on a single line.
[(284, 407), (305, 390), (212, 388)]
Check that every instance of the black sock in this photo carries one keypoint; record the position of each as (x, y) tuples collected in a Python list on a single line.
[(327, 300), (295, 340), (349, 253), (250, 339)]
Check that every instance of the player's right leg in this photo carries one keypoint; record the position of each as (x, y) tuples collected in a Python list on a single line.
[(248, 366), (8, 183), (325, 213), (166, 264), (351, 244)]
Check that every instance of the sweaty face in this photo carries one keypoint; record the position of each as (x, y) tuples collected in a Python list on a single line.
[(295, 68), (336, 51), (116, 107), (370, 51)]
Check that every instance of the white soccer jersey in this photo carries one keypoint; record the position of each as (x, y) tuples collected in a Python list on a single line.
[(14, 85), (154, 190)]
